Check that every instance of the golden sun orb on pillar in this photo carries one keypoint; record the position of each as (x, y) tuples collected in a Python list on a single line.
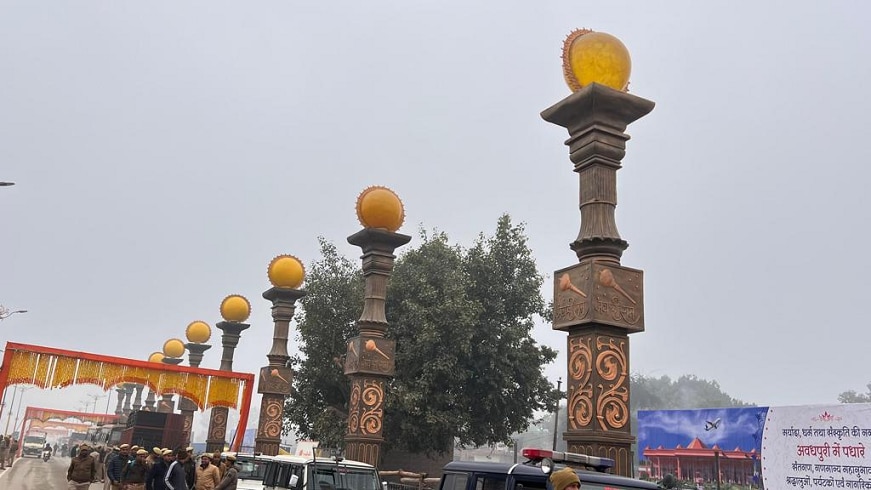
[(235, 308), (286, 271), (380, 207), (198, 332), (595, 57), (173, 348), (156, 357)]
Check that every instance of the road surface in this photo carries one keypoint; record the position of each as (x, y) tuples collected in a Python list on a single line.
[(36, 474)]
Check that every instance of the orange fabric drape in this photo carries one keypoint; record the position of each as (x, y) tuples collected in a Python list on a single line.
[(89, 372), (22, 367), (64, 372), (223, 393)]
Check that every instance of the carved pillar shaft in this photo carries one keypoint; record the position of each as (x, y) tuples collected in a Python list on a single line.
[(598, 301), (598, 395), (276, 378), (369, 361), (185, 406), (215, 439), (120, 391)]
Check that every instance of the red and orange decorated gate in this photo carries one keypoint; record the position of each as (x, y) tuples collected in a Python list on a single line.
[(51, 368)]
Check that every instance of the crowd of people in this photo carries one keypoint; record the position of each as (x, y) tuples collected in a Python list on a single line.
[(8, 448), (133, 468)]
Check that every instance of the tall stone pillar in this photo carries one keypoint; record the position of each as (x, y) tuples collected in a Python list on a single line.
[(285, 273), (137, 400), (598, 301), (121, 391), (185, 406), (235, 309), (370, 360)]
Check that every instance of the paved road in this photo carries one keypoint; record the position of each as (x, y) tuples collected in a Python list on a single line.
[(36, 474)]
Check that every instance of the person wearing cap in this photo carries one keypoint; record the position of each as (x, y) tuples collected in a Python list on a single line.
[(155, 479), (208, 475), (133, 474), (81, 470), (175, 477), (565, 479), (189, 466), (111, 453), (231, 475), (113, 470), (153, 456)]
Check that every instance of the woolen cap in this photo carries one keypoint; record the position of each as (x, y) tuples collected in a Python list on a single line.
[(563, 478), (141, 452), (125, 446)]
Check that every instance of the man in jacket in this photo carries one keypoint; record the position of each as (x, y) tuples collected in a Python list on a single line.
[(113, 470), (81, 471), (175, 477), (155, 478), (190, 468), (208, 475), (133, 475), (231, 475)]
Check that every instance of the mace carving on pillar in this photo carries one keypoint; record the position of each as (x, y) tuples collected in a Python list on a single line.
[(369, 361), (598, 301)]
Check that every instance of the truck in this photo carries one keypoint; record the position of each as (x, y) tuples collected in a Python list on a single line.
[(33, 444)]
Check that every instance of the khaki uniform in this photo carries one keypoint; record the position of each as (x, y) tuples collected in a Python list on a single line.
[(208, 478)]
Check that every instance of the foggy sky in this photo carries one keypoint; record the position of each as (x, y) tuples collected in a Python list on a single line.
[(164, 152)]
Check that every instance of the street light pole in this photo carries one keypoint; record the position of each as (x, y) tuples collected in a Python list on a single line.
[(11, 406), (5, 313), (559, 383)]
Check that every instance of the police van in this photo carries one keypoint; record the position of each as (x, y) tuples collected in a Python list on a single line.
[(534, 473), (313, 473)]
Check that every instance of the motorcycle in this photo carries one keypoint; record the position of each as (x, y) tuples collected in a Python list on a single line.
[(46, 455)]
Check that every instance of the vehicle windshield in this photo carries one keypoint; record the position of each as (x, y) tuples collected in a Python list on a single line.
[(34, 440), (250, 469), (326, 476)]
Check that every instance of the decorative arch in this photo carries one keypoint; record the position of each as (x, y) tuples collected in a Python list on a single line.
[(40, 418), (50, 368)]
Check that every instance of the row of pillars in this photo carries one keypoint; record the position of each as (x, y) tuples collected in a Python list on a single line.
[(597, 301)]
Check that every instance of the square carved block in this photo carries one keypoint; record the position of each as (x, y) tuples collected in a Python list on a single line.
[(370, 355), (598, 292), (275, 380)]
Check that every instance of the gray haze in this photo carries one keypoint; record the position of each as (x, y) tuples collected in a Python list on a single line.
[(164, 152)]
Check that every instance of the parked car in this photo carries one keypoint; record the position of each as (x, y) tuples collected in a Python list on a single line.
[(309, 473), (534, 473)]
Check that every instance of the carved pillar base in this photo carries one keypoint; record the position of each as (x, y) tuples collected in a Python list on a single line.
[(598, 395), (365, 418), (269, 429), (187, 409), (215, 441), (611, 446), (365, 449)]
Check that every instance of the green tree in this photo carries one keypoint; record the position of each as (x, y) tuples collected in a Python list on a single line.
[(851, 396), (317, 406), (467, 368)]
